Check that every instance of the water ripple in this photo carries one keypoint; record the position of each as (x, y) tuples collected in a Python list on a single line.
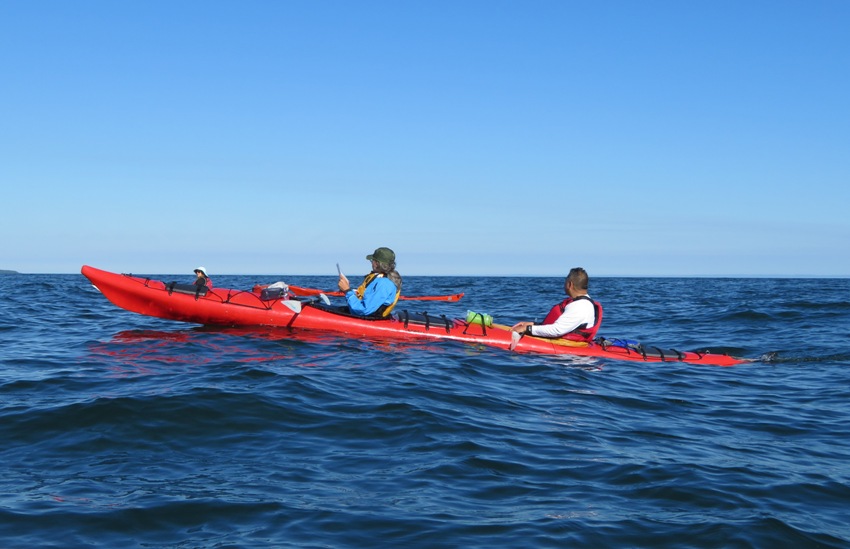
[(126, 431)]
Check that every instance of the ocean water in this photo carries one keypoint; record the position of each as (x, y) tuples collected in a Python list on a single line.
[(118, 430)]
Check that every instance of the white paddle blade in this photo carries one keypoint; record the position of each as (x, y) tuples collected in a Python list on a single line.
[(515, 337), (294, 306)]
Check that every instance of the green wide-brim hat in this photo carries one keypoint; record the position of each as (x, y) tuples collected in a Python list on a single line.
[(382, 255)]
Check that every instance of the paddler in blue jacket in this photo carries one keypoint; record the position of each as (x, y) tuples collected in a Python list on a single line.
[(576, 318), (380, 289)]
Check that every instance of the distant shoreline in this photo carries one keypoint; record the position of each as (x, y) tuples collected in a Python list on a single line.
[(5, 272)]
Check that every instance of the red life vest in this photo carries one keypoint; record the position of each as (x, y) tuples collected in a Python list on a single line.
[(582, 333)]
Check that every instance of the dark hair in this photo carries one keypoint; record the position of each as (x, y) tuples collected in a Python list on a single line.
[(579, 278), (395, 277), (388, 270), (384, 267)]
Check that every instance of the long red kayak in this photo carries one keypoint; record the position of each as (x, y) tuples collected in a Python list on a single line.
[(229, 307)]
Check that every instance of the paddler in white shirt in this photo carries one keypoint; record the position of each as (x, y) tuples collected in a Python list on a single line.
[(576, 318)]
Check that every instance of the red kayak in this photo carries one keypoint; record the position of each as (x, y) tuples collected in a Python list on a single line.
[(228, 307)]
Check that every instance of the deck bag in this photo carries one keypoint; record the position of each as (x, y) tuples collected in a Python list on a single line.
[(278, 290)]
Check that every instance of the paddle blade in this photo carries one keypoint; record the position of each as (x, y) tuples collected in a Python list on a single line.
[(302, 291), (293, 305), (515, 337)]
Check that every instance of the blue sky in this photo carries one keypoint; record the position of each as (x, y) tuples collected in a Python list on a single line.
[(474, 138)]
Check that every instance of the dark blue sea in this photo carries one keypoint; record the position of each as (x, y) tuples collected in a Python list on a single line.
[(118, 430)]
